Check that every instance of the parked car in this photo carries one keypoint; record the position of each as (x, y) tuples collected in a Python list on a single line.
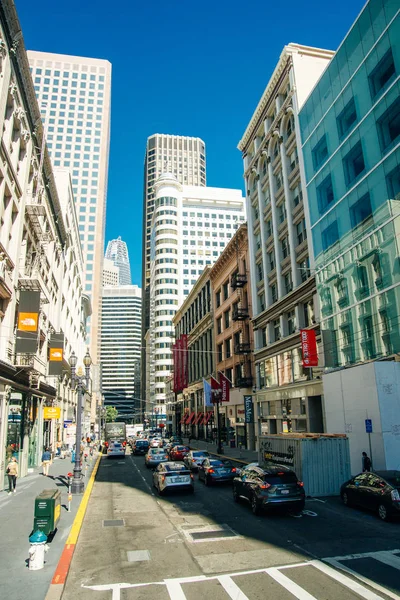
[(178, 452), (194, 458), (154, 457), (176, 439), (378, 491), (215, 470), (172, 476), (115, 449), (141, 447), (274, 486)]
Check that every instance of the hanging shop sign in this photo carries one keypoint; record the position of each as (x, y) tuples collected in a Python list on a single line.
[(28, 322), (51, 412), (309, 347)]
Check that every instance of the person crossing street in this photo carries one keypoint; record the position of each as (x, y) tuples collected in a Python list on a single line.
[(12, 474)]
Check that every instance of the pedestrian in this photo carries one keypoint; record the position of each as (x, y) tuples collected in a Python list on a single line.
[(46, 461), (366, 463), (12, 474)]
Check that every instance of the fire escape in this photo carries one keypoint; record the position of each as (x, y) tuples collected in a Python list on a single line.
[(241, 338)]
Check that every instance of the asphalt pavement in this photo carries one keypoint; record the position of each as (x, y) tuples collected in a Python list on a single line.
[(134, 545)]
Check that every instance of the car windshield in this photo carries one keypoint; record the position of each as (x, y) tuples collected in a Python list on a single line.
[(199, 454), (176, 467), (181, 448), (157, 451), (143, 443), (117, 445), (220, 463), (280, 477)]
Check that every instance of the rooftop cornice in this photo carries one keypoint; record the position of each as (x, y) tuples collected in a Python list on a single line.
[(283, 63)]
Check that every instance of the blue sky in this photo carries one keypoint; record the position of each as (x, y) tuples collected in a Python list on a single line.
[(188, 68)]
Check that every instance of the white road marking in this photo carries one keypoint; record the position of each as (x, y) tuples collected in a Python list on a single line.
[(369, 582), (231, 588), (175, 590), (289, 585), (388, 558), (346, 581)]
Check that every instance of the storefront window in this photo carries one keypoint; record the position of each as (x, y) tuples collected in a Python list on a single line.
[(298, 371), (285, 368)]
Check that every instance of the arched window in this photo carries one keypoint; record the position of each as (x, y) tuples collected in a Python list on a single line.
[(275, 149), (290, 126)]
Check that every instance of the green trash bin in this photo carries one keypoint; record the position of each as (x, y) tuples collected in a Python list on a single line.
[(47, 511)]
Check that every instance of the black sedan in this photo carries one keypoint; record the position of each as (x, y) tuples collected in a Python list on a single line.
[(214, 470), (141, 447), (269, 487), (378, 491)]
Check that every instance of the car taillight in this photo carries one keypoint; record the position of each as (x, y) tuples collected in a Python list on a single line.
[(163, 478), (233, 469), (106, 444), (210, 471), (124, 443), (191, 476), (265, 486), (193, 460), (395, 495), (300, 484)]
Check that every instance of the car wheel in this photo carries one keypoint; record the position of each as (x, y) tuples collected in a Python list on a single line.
[(383, 512), (346, 499), (236, 497), (255, 507)]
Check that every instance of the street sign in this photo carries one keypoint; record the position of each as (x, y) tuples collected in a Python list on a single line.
[(368, 425)]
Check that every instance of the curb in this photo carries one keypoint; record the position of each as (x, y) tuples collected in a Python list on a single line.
[(60, 575)]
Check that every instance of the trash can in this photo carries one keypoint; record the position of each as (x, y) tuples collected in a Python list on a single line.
[(47, 511)]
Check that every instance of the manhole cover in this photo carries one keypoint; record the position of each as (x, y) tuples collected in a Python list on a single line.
[(206, 535), (114, 523), (138, 555)]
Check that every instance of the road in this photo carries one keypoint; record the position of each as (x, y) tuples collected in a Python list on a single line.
[(136, 546)]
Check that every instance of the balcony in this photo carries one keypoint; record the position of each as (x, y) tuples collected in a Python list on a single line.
[(244, 382), (238, 280), (240, 313), (30, 362), (242, 348)]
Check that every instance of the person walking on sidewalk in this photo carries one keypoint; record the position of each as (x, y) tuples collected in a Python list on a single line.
[(46, 461), (12, 474)]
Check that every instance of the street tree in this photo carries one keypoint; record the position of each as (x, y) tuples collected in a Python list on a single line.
[(111, 414)]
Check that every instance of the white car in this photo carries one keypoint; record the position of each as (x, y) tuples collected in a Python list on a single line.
[(115, 449), (172, 476), (155, 443)]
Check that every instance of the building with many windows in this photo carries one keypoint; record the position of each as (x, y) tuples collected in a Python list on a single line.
[(191, 225), (350, 127), (110, 273), (117, 252), (120, 348), (233, 333), (185, 158), (289, 398), (74, 95)]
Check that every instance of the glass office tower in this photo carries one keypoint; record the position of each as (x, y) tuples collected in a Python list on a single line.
[(350, 127)]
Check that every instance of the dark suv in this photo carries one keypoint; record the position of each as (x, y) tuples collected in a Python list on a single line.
[(378, 491), (273, 486), (141, 447)]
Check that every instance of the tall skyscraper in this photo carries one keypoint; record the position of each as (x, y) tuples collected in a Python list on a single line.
[(190, 227), (74, 98), (120, 349), (185, 158), (117, 251)]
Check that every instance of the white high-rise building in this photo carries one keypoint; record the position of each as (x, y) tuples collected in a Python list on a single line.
[(120, 349), (191, 225), (117, 251), (185, 158), (110, 273), (74, 99)]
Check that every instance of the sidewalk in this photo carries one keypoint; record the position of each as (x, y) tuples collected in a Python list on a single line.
[(246, 456), (16, 522)]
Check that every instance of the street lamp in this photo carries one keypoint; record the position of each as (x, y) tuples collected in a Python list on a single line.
[(78, 382)]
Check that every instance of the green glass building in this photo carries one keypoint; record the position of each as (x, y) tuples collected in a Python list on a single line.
[(350, 128)]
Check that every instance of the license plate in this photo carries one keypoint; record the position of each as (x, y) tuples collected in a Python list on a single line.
[(284, 491), (222, 471), (180, 479)]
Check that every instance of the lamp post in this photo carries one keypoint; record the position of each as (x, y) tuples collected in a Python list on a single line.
[(78, 382)]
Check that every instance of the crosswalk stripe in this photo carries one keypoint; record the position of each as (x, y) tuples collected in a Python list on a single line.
[(175, 590), (292, 587), (388, 558), (231, 588), (369, 582), (346, 581)]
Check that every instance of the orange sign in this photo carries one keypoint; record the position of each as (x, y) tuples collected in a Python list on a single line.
[(51, 412), (27, 321), (56, 354)]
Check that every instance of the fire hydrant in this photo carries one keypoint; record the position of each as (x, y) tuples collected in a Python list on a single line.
[(37, 550)]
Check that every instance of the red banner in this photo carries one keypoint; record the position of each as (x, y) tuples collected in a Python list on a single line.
[(216, 391), (184, 360), (225, 387), (174, 353), (178, 365), (309, 347)]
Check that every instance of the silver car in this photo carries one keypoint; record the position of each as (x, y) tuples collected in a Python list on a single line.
[(194, 458), (154, 457), (172, 476)]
